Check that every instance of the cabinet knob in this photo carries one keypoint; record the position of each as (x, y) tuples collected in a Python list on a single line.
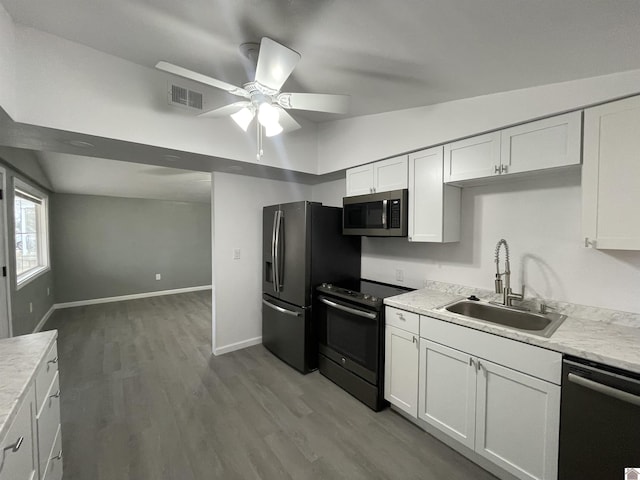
[(504, 169), (55, 395), (57, 457), (496, 169), (53, 360), (14, 447)]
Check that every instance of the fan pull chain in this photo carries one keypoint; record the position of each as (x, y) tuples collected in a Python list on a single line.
[(259, 141)]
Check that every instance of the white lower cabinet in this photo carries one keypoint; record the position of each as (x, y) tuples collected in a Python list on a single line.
[(517, 421), (401, 369), (17, 459), (447, 386), (497, 397)]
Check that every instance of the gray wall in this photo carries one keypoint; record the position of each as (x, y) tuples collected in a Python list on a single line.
[(23, 164), (108, 246)]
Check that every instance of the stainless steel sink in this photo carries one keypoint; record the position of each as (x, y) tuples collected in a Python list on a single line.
[(536, 323)]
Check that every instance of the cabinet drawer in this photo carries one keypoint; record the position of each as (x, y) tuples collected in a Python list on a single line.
[(402, 319), (535, 361), (45, 375), (48, 421), (54, 467), (18, 464)]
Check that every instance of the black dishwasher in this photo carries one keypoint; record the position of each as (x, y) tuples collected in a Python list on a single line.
[(599, 421)]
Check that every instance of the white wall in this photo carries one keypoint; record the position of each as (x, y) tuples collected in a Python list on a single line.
[(329, 193), (7, 62), (354, 141), (110, 97), (541, 220), (237, 203)]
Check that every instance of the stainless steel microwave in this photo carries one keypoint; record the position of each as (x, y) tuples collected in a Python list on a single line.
[(382, 214)]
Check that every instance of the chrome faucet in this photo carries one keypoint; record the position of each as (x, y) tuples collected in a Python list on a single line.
[(508, 295)]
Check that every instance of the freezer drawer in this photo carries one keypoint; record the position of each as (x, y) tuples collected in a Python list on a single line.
[(287, 333)]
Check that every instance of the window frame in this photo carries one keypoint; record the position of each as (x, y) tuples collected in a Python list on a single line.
[(43, 234)]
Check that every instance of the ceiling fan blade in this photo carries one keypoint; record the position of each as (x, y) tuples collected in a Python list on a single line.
[(287, 122), (275, 63), (198, 77), (317, 102), (226, 110)]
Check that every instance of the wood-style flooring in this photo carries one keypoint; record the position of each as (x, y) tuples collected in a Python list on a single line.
[(143, 398)]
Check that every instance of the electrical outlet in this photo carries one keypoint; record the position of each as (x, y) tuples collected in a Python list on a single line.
[(30, 307), (158, 276), (236, 254), (399, 275)]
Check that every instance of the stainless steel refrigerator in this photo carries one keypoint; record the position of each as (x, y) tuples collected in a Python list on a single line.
[(303, 247)]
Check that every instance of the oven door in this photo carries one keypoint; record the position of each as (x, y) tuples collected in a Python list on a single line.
[(350, 336)]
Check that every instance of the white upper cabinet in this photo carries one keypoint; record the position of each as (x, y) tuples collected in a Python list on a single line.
[(360, 180), (611, 175), (474, 157), (549, 143), (434, 208), (382, 176)]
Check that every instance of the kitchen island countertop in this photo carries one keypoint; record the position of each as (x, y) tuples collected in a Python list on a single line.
[(20, 358)]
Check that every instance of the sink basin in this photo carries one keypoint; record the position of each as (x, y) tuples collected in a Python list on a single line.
[(536, 323)]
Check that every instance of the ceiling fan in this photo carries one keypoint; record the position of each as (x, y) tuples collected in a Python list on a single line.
[(262, 96)]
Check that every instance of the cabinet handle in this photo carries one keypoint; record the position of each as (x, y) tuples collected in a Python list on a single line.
[(55, 395), (57, 457), (496, 169), (481, 367), (401, 317), (472, 362), (414, 339), (54, 361), (589, 243), (15, 446), (504, 169)]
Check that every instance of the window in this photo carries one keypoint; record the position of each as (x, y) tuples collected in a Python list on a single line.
[(31, 225)]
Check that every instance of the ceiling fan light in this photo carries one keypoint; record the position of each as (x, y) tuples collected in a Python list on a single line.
[(273, 130), (243, 117), (268, 115)]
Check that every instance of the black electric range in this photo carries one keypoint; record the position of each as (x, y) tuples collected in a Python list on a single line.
[(351, 337)]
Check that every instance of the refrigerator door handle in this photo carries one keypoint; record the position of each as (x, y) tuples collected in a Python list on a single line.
[(280, 309), (344, 308), (278, 227), (274, 264)]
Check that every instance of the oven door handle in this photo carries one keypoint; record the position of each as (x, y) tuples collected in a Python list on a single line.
[(605, 389), (280, 309), (344, 308)]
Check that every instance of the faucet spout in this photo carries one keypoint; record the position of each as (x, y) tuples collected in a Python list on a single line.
[(508, 294)]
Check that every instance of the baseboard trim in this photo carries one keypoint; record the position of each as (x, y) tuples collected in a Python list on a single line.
[(44, 319), (237, 346), (134, 296)]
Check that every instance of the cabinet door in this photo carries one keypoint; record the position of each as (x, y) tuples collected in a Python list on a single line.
[(390, 174), (360, 180), (434, 208), (401, 369), (517, 421), (447, 391), (474, 157), (611, 175), (552, 142), (17, 459)]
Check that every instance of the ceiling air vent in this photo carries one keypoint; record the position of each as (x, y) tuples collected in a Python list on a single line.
[(184, 97)]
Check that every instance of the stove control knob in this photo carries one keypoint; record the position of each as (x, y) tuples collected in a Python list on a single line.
[(374, 299), (367, 296), (326, 285)]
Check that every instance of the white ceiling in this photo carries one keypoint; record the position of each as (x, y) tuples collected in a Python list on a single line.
[(96, 176), (386, 55)]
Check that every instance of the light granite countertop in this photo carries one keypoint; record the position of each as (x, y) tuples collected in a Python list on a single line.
[(605, 336), (20, 358)]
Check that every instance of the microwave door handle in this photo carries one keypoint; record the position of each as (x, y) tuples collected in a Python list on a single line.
[(274, 265), (384, 214), (344, 308)]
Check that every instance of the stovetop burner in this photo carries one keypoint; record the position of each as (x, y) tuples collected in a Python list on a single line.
[(364, 292)]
